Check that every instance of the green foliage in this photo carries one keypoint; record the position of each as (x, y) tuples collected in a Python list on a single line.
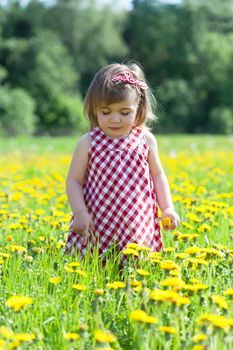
[(17, 112), (176, 101), (53, 49), (92, 36), (221, 121), (64, 115)]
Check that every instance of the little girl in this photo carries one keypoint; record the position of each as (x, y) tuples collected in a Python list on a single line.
[(116, 181)]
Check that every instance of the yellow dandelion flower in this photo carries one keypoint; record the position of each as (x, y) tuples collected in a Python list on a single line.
[(130, 251), (181, 256), (79, 287), (167, 222), (193, 217), (73, 264), (99, 291), (166, 329), (135, 283), (25, 337), (81, 273), (71, 336), (142, 272), (55, 280), (137, 246), (220, 301), (69, 269), (228, 292), (169, 249), (198, 347), (176, 233), (18, 302), (195, 287), (181, 301), (142, 316), (116, 285), (169, 265), (104, 337), (156, 255), (198, 261), (194, 280), (6, 333), (172, 282), (199, 338), (13, 345), (188, 237), (216, 320), (192, 250), (9, 238)]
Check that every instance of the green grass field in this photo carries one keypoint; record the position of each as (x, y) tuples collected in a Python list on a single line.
[(180, 298)]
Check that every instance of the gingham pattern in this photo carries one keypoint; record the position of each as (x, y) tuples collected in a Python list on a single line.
[(119, 194)]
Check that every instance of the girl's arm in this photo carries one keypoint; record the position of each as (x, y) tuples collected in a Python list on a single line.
[(74, 187), (162, 188)]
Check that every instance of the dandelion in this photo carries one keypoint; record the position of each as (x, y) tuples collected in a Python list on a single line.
[(13, 345), (18, 302), (195, 287), (216, 320), (228, 292), (55, 280), (187, 236), (99, 291), (199, 338), (71, 336), (192, 250), (198, 347), (25, 337), (79, 287), (169, 265), (130, 251), (142, 272), (169, 330), (173, 282), (142, 316), (220, 301), (167, 222), (6, 333), (116, 285), (137, 246), (104, 337)]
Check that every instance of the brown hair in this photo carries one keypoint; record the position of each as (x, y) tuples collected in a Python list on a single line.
[(103, 90)]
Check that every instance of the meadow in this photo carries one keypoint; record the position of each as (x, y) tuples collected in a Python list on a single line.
[(180, 298)]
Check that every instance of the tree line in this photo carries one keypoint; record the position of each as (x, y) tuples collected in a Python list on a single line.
[(49, 52)]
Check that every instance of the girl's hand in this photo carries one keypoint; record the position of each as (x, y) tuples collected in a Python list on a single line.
[(82, 223), (170, 219)]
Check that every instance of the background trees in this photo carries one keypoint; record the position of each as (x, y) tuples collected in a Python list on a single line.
[(50, 51)]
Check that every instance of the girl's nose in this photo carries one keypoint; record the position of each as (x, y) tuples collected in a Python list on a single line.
[(115, 117)]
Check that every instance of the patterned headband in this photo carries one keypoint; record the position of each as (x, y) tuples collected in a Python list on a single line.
[(127, 78)]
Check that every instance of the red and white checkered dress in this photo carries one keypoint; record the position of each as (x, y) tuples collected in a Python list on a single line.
[(119, 194)]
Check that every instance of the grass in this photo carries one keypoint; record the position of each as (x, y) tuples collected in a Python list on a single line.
[(186, 288)]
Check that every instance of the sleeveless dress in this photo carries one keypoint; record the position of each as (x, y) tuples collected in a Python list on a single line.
[(119, 194)]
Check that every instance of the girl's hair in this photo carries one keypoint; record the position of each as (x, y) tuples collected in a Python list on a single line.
[(105, 90)]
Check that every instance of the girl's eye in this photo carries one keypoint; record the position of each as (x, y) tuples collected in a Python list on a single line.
[(105, 112), (125, 113)]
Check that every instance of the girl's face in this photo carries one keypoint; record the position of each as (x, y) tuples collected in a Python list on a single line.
[(117, 119)]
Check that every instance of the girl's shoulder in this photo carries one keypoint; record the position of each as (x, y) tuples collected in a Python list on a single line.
[(150, 139), (84, 143)]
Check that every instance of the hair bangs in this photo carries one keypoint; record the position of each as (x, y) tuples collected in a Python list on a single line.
[(111, 94)]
